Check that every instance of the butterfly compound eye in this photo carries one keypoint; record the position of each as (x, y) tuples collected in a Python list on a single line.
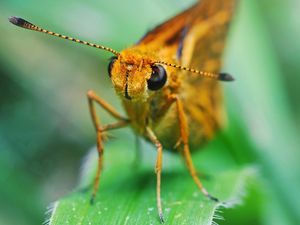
[(111, 63), (158, 78)]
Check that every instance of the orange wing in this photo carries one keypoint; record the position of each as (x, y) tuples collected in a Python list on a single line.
[(168, 32), (198, 34)]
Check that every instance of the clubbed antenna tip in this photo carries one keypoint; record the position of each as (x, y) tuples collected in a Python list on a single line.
[(225, 77), (17, 21)]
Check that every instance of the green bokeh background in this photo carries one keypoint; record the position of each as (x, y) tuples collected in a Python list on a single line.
[(45, 128)]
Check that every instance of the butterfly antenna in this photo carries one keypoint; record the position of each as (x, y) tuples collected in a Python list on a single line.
[(27, 25), (217, 76)]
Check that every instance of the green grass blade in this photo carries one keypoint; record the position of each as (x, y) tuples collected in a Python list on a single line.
[(127, 195)]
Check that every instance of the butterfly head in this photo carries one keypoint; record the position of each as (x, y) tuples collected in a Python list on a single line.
[(135, 75)]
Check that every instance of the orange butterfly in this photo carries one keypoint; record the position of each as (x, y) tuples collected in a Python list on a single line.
[(171, 105)]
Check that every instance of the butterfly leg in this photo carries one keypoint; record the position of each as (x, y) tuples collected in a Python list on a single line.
[(186, 150), (100, 129), (158, 167)]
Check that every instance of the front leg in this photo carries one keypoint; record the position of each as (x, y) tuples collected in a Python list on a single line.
[(158, 167), (100, 129)]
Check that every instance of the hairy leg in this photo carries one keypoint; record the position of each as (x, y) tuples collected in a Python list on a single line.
[(158, 167), (122, 122), (186, 150)]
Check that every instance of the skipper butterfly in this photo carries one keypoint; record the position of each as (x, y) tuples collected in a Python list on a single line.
[(168, 83)]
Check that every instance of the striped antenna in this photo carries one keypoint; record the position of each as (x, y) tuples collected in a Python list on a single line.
[(27, 25), (217, 76)]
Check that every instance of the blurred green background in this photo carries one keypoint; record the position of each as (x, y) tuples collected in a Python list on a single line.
[(45, 127)]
